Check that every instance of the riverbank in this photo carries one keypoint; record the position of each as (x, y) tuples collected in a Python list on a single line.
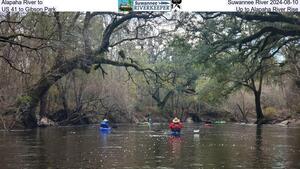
[(8, 123)]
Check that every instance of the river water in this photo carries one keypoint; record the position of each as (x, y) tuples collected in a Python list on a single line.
[(131, 146)]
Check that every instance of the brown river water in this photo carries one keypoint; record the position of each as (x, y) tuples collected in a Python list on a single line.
[(139, 147)]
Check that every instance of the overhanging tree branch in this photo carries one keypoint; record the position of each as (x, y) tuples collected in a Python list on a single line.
[(269, 17), (12, 66)]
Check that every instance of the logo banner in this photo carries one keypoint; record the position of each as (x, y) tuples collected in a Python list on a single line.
[(149, 5)]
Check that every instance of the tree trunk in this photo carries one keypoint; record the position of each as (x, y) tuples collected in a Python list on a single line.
[(26, 116), (259, 113), (43, 106), (162, 103), (65, 104), (243, 112), (63, 95), (24, 110)]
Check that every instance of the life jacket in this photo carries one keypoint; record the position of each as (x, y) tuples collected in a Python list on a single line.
[(175, 126), (104, 124)]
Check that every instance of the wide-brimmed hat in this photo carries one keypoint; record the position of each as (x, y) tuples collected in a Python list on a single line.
[(105, 120), (176, 120)]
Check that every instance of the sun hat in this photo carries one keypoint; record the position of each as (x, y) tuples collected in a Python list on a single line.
[(176, 120), (105, 120)]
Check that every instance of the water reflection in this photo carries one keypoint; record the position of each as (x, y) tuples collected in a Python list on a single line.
[(293, 152), (196, 137), (258, 160), (129, 146), (103, 137), (175, 146)]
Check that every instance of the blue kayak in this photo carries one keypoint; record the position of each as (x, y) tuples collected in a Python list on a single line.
[(175, 133), (105, 129)]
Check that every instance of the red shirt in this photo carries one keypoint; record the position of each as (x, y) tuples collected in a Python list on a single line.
[(175, 126)]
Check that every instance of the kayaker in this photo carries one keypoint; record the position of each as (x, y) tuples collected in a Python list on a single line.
[(104, 124), (175, 125)]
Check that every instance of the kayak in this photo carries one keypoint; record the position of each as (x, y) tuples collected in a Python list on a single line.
[(196, 131), (104, 129), (175, 133)]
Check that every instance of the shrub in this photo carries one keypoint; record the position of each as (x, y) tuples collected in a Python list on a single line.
[(270, 111)]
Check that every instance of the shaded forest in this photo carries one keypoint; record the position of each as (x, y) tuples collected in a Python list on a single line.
[(76, 68)]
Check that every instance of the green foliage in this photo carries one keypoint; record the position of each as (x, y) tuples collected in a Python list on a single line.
[(22, 100), (213, 91)]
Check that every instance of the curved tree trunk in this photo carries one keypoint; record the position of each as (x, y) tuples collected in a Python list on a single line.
[(26, 110)]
